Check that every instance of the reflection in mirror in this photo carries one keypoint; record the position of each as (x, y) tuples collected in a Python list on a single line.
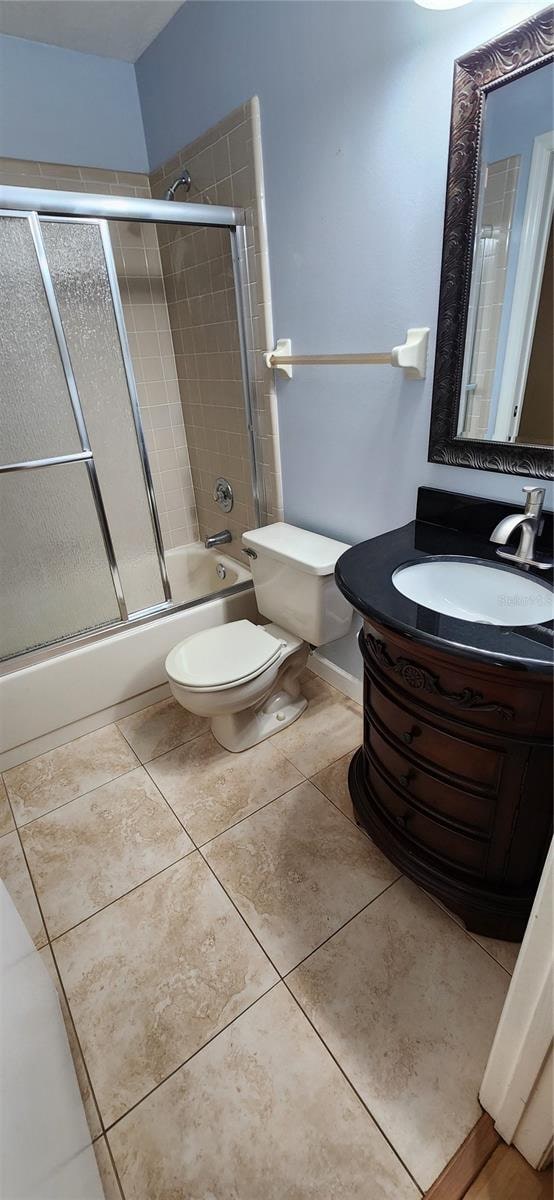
[(507, 381)]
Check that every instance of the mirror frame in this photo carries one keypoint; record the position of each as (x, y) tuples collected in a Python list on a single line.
[(515, 53)]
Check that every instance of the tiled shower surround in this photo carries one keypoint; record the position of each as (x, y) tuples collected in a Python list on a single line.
[(180, 315), (225, 165)]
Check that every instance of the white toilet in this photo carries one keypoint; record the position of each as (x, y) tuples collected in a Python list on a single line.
[(244, 676)]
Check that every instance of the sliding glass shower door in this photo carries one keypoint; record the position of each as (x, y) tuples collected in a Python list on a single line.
[(81, 545)]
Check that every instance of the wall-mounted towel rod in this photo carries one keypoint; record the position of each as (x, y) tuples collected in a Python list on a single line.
[(411, 356)]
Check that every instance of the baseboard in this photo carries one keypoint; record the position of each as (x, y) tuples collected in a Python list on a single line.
[(340, 679), (466, 1163), (59, 737)]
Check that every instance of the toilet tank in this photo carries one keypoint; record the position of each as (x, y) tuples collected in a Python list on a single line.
[(294, 580)]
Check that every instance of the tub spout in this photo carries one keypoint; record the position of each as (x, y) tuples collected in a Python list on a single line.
[(218, 539)]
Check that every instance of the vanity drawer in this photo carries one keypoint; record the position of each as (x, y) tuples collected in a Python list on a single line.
[(455, 804), (489, 698), (458, 756), (455, 848)]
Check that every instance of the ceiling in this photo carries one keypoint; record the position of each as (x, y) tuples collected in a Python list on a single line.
[(113, 28)]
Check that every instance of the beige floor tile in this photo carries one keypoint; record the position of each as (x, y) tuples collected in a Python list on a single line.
[(262, 1111), (210, 789), (89, 1103), (333, 782), (69, 771), (297, 870), (328, 729), (409, 1006), (107, 1174), (504, 952), (14, 873), (6, 819), (151, 978), (160, 728), (89, 852)]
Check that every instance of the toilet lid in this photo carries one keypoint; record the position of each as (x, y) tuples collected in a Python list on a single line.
[(222, 656)]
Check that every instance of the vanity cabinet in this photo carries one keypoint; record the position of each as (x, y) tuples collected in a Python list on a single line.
[(454, 778)]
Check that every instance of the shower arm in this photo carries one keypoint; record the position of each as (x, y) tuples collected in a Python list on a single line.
[(411, 356)]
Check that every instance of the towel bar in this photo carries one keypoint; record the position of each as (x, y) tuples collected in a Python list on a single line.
[(411, 356)]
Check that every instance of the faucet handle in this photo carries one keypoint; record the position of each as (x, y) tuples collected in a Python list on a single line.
[(535, 500)]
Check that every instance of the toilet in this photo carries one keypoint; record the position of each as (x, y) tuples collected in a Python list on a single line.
[(245, 677)]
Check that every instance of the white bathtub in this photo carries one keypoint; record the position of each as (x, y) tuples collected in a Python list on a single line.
[(77, 690)]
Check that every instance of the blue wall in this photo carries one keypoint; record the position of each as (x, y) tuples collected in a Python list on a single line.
[(61, 106), (355, 106)]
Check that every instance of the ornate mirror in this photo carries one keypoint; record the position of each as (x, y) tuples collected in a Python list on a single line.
[(493, 393)]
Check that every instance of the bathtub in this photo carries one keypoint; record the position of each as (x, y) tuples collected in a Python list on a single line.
[(75, 690)]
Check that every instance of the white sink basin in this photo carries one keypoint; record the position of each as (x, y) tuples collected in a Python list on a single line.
[(476, 591)]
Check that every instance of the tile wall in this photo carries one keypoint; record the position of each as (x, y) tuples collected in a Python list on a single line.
[(141, 283), (226, 168), (178, 295)]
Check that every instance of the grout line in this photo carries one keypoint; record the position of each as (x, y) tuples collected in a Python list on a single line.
[(58, 936), (69, 742), (354, 1089), (32, 882), (343, 754), (48, 813), (457, 921), (78, 1041), (241, 820), (341, 927), (242, 917), (194, 1054), (162, 753), (114, 1167)]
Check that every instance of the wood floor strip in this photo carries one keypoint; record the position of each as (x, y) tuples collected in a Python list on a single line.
[(506, 1176), (468, 1161)]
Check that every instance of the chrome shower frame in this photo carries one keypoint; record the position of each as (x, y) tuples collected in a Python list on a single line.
[(36, 203)]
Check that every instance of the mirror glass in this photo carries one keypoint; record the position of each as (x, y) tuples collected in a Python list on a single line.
[(507, 383)]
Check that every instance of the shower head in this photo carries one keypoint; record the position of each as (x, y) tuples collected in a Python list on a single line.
[(184, 180)]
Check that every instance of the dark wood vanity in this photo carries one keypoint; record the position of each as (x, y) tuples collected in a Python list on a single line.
[(454, 778)]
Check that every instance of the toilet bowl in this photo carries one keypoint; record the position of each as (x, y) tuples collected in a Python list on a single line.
[(245, 677), (245, 683)]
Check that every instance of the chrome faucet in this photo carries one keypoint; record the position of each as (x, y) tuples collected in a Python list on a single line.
[(218, 539), (529, 524)]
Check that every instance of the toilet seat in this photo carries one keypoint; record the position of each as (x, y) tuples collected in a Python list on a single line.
[(222, 657)]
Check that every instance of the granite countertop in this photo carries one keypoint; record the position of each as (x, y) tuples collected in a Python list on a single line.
[(364, 576)]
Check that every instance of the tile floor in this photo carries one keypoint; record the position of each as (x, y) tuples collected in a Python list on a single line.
[(257, 1004)]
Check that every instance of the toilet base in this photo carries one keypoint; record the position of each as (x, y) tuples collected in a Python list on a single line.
[(282, 704), (239, 731)]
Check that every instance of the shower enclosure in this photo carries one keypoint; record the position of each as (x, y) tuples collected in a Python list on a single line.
[(82, 546)]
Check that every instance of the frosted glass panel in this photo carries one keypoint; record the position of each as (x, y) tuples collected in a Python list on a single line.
[(36, 418), (55, 580), (78, 269)]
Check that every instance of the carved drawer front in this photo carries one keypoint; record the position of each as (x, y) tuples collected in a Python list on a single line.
[(454, 848), (463, 693), (455, 804), (457, 756)]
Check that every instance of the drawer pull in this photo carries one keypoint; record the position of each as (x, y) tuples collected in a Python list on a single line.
[(409, 737), (406, 780), (403, 818)]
